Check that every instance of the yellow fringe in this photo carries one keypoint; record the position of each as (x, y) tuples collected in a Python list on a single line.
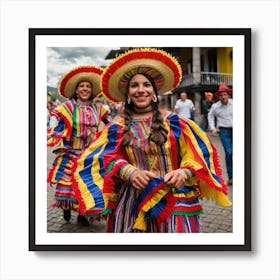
[(140, 222), (219, 197)]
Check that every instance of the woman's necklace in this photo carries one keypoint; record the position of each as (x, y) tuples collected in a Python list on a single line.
[(143, 110)]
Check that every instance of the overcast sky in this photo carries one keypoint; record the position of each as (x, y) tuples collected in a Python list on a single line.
[(61, 60)]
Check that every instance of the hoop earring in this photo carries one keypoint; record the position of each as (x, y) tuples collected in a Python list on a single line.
[(128, 100), (154, 98)]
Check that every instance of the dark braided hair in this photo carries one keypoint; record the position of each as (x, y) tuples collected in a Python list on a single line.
[(158, 133)]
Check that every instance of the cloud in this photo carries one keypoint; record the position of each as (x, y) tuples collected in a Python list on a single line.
[(63, 59)]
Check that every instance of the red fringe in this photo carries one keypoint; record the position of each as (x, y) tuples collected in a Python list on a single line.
[(64, 204), (51, 172), (150, 195), (169, 207)]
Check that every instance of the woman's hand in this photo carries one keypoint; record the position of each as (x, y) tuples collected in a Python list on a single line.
[(140, 178), (176, 178)]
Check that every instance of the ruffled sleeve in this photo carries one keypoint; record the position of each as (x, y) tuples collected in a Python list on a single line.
[(62, 128), (198, 155)]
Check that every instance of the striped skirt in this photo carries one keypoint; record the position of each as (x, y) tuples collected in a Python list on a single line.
[(60, 176)]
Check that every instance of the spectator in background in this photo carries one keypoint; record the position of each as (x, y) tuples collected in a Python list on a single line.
[(50, 108), (57, 102), (106, 105), (222, 112), (97, 100), (113, 110), (120, 107), (163, 107), (49, 105), (184, 107), (206, 106)]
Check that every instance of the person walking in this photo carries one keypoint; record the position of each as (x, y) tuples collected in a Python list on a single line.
[(147, 172), (206, 106), (184, 107), (220, 123), (73, 125)]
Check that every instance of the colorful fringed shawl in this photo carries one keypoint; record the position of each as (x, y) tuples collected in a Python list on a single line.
[(103, 167)]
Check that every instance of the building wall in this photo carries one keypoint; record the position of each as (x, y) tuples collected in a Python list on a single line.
[(224, 58), (185, 55)]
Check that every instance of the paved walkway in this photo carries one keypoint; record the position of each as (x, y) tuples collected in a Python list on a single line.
[(215, 219)]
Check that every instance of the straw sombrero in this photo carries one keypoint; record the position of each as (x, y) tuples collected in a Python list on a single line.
[(69, 81), (158, 64)]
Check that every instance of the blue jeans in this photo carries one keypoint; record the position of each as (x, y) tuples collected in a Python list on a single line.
[(204, 125), (226, 138)]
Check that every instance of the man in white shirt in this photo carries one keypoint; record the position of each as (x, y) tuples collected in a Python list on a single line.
[(184, 106), (221, 112)]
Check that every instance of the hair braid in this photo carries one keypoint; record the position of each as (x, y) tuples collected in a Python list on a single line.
[(127, 119), (158, 133)]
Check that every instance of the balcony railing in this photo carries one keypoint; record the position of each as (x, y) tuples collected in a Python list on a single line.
[(208, 78), (212, 78)]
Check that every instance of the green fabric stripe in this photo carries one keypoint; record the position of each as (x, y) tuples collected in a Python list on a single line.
[(75, 120), (110, 166), (67, 111), (187, 213)]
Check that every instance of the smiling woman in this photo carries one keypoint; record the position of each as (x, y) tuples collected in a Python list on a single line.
[(145, 170), (141, 92), (84, 91), (73, 126)]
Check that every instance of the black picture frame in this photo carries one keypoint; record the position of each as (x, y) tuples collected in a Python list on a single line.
[(244, 34)]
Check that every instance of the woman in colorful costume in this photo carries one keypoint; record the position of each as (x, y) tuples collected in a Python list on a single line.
[(143, 169), (73, 125)]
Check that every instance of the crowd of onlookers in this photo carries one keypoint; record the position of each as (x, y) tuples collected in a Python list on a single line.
[(51, 105), (114, 109)]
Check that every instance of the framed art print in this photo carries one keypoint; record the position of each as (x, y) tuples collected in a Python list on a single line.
[(208, 58)]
